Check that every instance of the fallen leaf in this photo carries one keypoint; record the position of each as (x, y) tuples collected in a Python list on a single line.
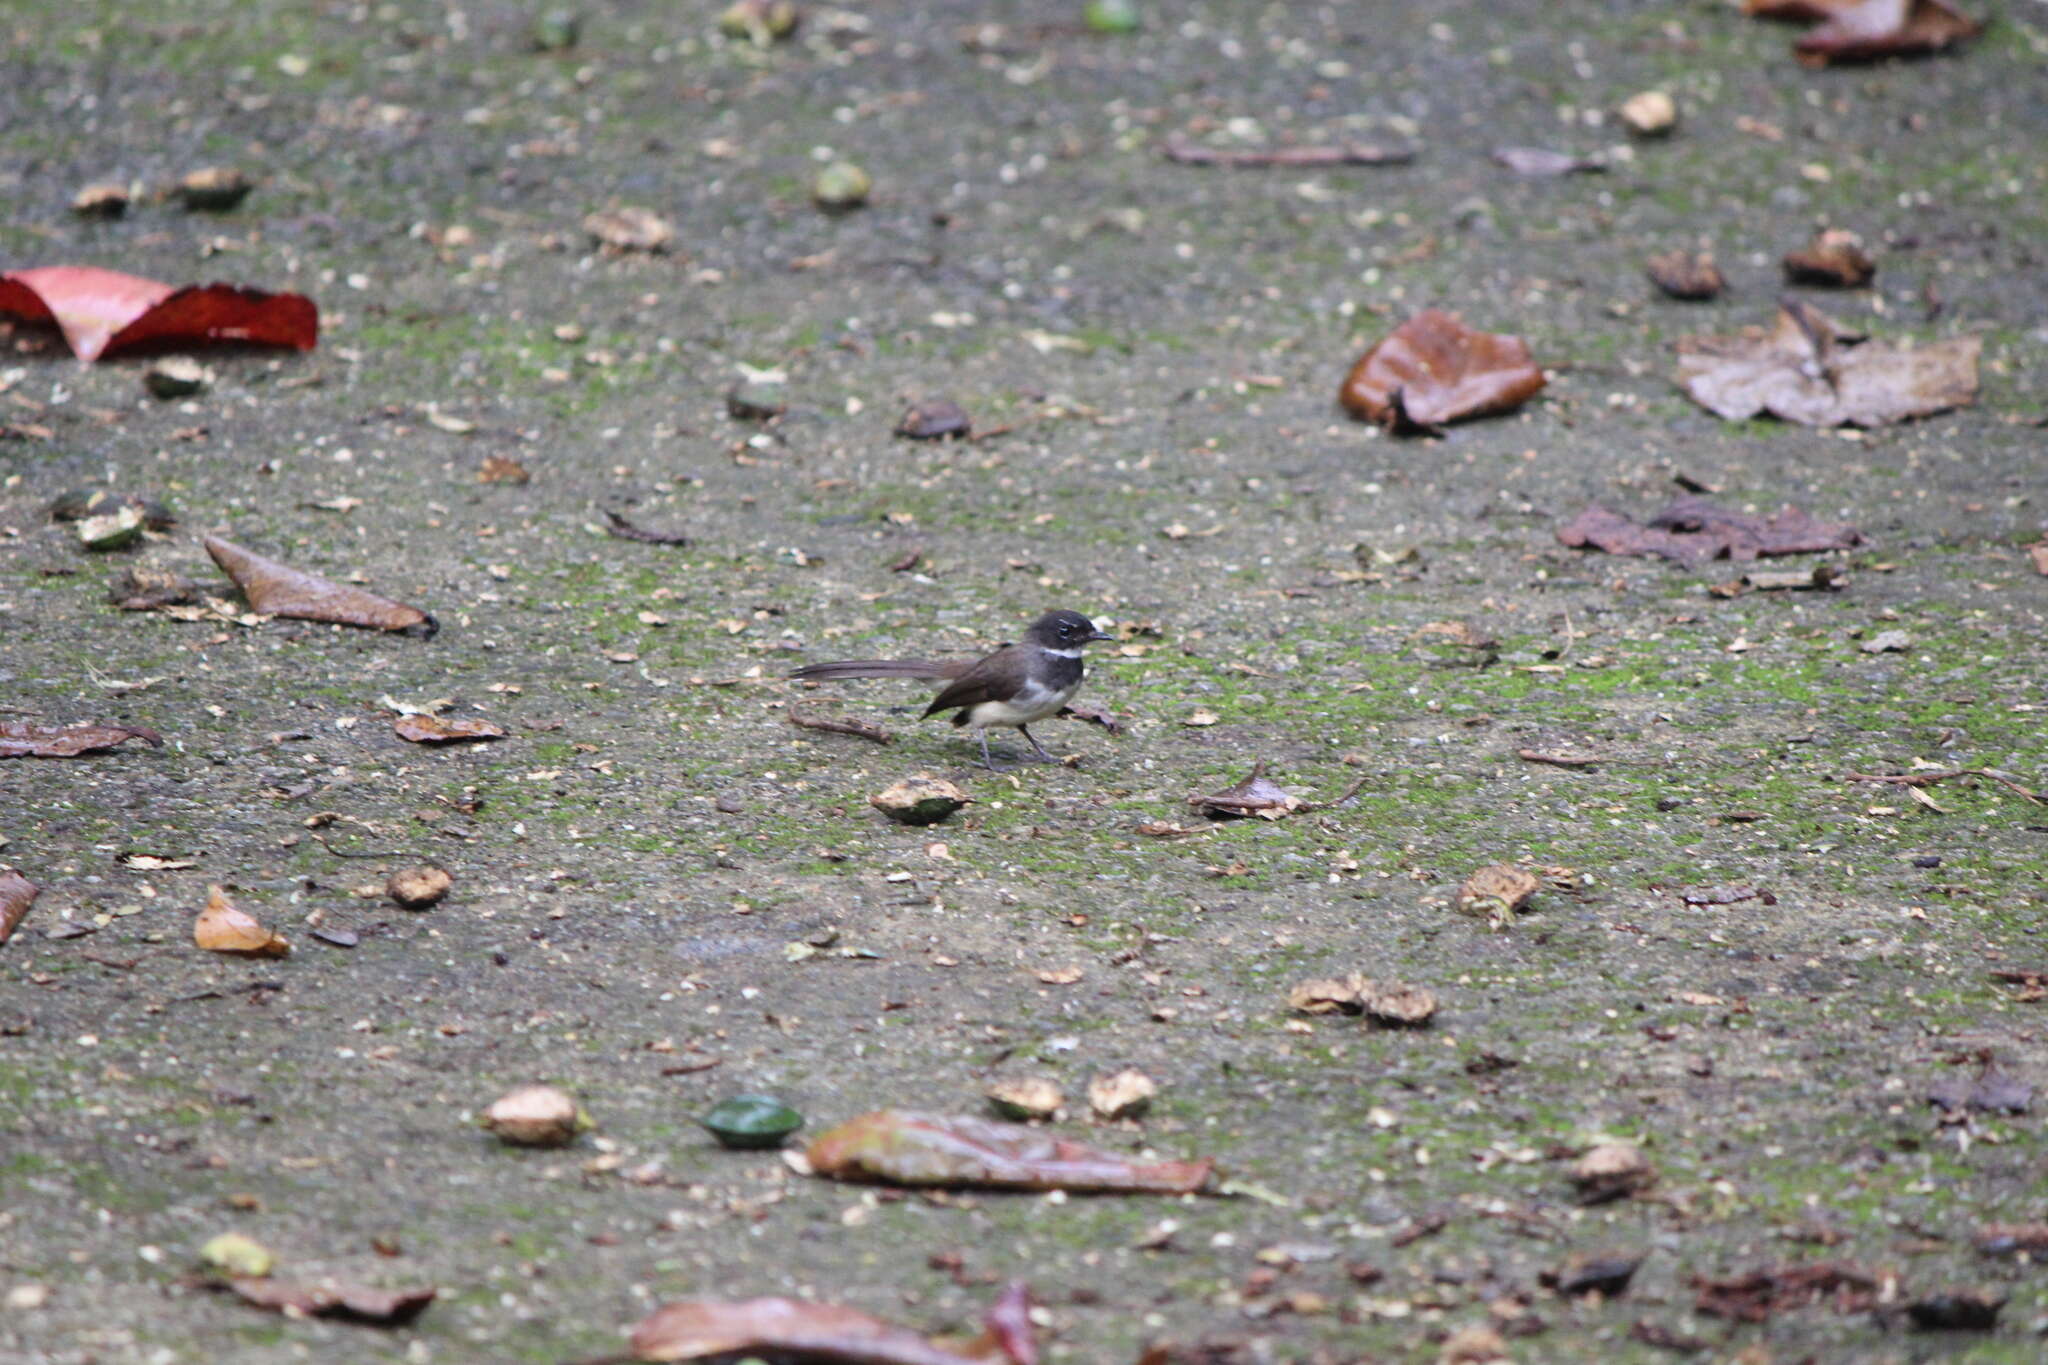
[(1811, 370), (1396, 1004), (25, 739), (140, 589), (222, 928), (1498, 891), (331, 1299), (920, 800), (1834, 259), (1166, 829), (502, 469), (274, 589), (416, 888), (236, 1253), (630, 229), (103, 310), (1956, 1310), (1690, 275), (1032, 1098), (1125, 1094), (2039, 554), (1328, 995), (1541, 161), (1612, 1170), (107, 199), (150, 862), (2013, 1239), (1991, 1091), (1474, 1344), (1433, 369), (1650, 113), (1756, 1295), (1607, 1275), (212, 189), (1691, 531), (1887, 642), (437, 730), (17, 894), (796, 1329), (1876, 29), (935, 419), (904, 1148), (1255, 795), (536, 1116)]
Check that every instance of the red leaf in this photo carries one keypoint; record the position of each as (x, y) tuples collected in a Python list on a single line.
[(1877, 29), (904, 1148), (104, 310), (1434, 369)]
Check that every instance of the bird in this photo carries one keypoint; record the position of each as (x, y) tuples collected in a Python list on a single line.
[(1014, 686)]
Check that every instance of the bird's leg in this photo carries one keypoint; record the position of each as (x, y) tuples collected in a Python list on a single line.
[(1036, 745), (987, 761)]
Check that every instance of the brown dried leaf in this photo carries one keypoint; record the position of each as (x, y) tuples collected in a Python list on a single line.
[(904, 1148), (935, 419), (332, 1299), (1756, 1295), (1607, 1275), (1612, 1170), (1877, 29), (502, 469), (1691, 531), (437, 730), (1328, 995), (2039, 554), (25, 739), (1253, 796), (17, 893), (630, 229), (275, 589), (1434, 369), (536, 1116), (919, 800), (1834, 259), (1498, 892), (618, 526), (222, 928), (1396, 1004), (141, 589), (794, 1329), (416, 888), (1688, 275), (1125, 1094), (1812, 371), (1025, 1099)]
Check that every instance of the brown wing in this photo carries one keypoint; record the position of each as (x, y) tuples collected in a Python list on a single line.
[(978, 683)]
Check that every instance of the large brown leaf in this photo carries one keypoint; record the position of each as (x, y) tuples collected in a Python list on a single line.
[(1877, 29), (276, 589), (1811, 370), (904, 1148), (1434, 369), (332, 1299), (17, 893), (1692, 531), (104, 310), (25, 739), (797, 1330)]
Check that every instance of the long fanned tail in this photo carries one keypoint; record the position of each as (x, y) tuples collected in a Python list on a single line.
[(879, 668)]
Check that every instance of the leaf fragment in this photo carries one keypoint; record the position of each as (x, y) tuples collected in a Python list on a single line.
[(275, 589), (1256, 795), (1691, 531), (26, 739), (1834, 259), (801, 1330), (422, 729), (17, 893), (333, 1299), (222, 927), (904, 1148)]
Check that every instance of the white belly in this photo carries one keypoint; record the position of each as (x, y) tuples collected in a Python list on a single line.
[(1031, 704)]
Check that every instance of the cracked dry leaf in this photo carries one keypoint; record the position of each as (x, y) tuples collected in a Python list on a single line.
[(1688, 275), (24, 739), (333, 1299), (630, 229), (1255, 795), (1876, 29), (1396, 1004), (275, 589), (1027, 1099), (1499, 892), (1125, 1094), (797, 1329), (1811, 370), (900, 1147), (1328, 995), (1434, 369), (223, 928), (423, 729), (1691, 531), (1834, 259), (17, 893), (502, 469), (1612, 1170)]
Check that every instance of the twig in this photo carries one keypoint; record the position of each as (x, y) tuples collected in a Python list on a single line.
[(1557, 760), (1342, 154), (1568, 635), (1928, 779), (859, 729), (1354, 789), (626, 530), (344, 853)]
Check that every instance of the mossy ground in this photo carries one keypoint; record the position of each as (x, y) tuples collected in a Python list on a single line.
[(654, 831)]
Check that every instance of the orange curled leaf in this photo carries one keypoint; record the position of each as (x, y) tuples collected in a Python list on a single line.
[(899, 1147), (1434, 369), (222, 928), (100, 311), (702, 1329), (276, 589), (23, 739), (17, 893), (434, 730)]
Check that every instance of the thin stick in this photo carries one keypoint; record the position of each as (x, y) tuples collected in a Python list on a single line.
[(1557, 760), (1928, 779), (859, 729), (1344, 154)]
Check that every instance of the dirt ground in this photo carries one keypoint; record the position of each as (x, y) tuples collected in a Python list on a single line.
[(1163, 343)]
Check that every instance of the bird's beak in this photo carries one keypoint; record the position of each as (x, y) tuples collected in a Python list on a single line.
[(1099, 635)]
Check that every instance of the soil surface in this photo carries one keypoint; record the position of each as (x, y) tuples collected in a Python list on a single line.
[(1749, 966)]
